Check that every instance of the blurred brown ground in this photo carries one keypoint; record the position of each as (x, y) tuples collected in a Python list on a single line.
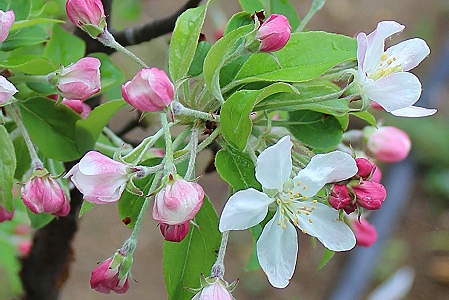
[(101, 231)]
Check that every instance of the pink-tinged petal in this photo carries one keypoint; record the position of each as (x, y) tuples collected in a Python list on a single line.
[(274, 164), (7, 90), (376, 43), (394, 91), (216, 291), (413, 112), (323, 223), (362, 47), (277, 249), (409, 53), (365, 233), (100, 189), (244, 209), (322, 169), (95, 163), (6, 20)]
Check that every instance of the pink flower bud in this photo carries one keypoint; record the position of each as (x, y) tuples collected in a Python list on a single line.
[(377, 174), (6, 21), (5, 215), (365, 233), (100, 179), (150, 90), (388, 143), (87, 14), (7, 90), (370, 194), (274, 33), (78, 106), (24, 247), (105, 278), (177, 202), (364, 166), (174, 233), (339, 197), (43, 194), (215, 291), (80, 80)]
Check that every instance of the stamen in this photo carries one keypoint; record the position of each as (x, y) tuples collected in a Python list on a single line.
[(304, 231), (313, 207), (298, 183), (304, 187), (310, 221), (278, 201), (284, 226), (315, 201), (384, 56), (308, 213)]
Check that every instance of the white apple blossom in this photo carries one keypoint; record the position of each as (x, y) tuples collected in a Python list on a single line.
[(382, 74), (277, 246)]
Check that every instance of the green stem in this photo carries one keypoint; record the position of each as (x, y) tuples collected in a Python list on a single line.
[(137, 154), (181, 137), (169, 165), (316, 6), (190, 174), (218, 269), (31, 78), (179, 109)]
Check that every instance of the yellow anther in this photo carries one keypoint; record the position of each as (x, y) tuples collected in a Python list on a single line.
[(310, 221), (304, 207), (295, 223), (307, 212), (298, 183), (384, 56), (313, 207), (279, 223), (291, 192), (304, 231), (304, 197), (297, 194), (315, 201), (291, 197), (288, 202), (299, 212), (282, 211), (278, 201), (304, 187), (284, 226)]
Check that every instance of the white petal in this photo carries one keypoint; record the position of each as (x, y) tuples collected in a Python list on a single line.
[(277, 249), (409, 53), (362, 47), (322, 169), (274, 164), (394, 91), (333, 233), (244, 209), (413, 112)]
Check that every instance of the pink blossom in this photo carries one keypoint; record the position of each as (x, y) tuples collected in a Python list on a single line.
[(274, 33), (5, 215), (365, 167), (174, 233), (6, 21), (80, 80), (105, 278), (178, 202), (365, 233), (43, 194), (24, 247), (100, 179), (339, 197), (7, 90), (87, 14), (388, 143), (215, 291), (78, 106), (377, 174), (150, 90), (370, 194)]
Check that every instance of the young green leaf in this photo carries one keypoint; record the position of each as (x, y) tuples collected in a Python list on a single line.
[(327, 256), (7, 168), (251, 5), (64, 48)]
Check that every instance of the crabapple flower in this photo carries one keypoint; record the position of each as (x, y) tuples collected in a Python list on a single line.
[(78, 106), (150, 90), (277, 246), (382, 74), (107, 276), (174, 233), (365, 233), (78, 81), (87, 15), (370, 194), (178, 201), (214, 291), (365, 167), (6, 20), (42, 194), (274, 33), (100, 179), (387, 143), (7, 90), (5, 215)]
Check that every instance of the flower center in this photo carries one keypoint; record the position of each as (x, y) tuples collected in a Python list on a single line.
[(387, 65)]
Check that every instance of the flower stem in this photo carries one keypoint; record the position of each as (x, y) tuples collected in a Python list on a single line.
[(29, 78), (190, 174), (179, 109), (169, 165), (218, 269)]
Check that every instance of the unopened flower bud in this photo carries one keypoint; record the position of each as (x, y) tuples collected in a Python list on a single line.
[(339, 197), (370, 194), (274, 33), (365, 233), (150, 90), (87, 15), (377, 174), (24, 247), (364, 166), (215, 291), (174, 233), (7, 90), (388, 143), (78, 106), (5, 215), (105, 278), (6, 20)]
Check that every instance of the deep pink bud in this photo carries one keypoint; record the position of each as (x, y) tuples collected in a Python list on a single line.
[(274, 33), (377, 174), (178, 202), (6, 21), (339, 197), (105, 278), (5, 215), (370, 194), (78, 106), (24, 247), (364, 166), (365, 233), (43, 194), (150, 90), (7, 90), (99, 178), (174, 233), (388, 143), (215, 291), (80, 80), (87, 14)]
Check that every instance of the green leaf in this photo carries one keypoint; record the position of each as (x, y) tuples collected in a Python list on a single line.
[(236, 168), (251, 5), (111, 75), (23, 157), (7, 168), (284, 7), (64, 48), (184, 41), (327, 255), (27, 23), (196, 68), (184, 262), (52, 129), (88, 130), (306, 56), (238, 20), (219, 55), (366, 116), (234, 115), (25, 37), (85, 207), (314, 129), (39, 220), (31, 64), (21, 8)]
